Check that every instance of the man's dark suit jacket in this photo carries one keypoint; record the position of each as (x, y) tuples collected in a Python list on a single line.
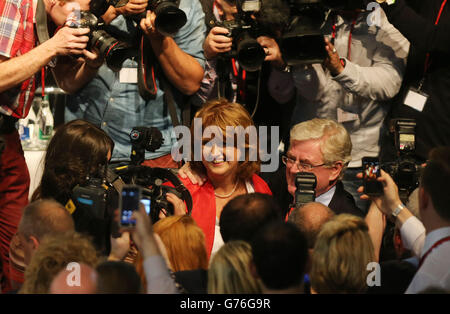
[(341, 203)]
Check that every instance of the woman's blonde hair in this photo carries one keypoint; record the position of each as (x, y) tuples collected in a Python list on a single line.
[(342, 252), (336, 144), (223, 114), (229, 270), (184, 241), (53, 255)]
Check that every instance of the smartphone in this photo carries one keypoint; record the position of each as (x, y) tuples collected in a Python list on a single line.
[(146, 203), (130, 199), (371, 172)]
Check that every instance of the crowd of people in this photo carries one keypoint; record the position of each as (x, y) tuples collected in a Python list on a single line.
[(241, 231)]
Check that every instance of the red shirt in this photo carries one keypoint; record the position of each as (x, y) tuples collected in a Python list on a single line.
[(204, 205), (17, 38)]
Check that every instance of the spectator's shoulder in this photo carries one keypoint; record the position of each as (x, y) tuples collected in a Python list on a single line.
[(260, 185)]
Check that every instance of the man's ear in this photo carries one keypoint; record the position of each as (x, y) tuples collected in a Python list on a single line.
[(253, 271), (35, 242), (424, 199), (336, 170)]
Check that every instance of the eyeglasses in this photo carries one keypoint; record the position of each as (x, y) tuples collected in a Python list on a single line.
[(301, 166)]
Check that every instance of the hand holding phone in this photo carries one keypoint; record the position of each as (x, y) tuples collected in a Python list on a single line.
[(129, 203), (371, 173)]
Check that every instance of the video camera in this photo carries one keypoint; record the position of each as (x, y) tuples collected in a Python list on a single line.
[(406, 169), (151, 179), (303, 40), (305, 183), (244, 30)]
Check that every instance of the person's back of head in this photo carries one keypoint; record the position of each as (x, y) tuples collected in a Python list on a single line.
[(40, 219), (75, 279), (280, 256), (229, 270), (310, 218), (184, 241), (342, 252), (434, 180), (53, 255), (118, 278), (245, 214)]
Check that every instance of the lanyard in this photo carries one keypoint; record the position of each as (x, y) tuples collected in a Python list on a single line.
[(447, 239), (43, 81), (352, 28), (427, 60)]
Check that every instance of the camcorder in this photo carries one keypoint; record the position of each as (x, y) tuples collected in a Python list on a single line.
[(302, 42), (305, 183), (169, 19), (406, 170), (244, 30)]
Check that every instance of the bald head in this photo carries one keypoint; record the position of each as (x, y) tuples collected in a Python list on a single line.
[(45, 217), (310, 218), (66, 282)]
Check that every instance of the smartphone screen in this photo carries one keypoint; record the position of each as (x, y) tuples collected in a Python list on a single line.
[(146, 203), (371, 171), (130, 200)]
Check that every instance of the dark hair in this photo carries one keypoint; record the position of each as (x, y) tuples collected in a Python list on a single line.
[(118, 278), (245, 214), (77, 150), (280, 254), (435, 178)]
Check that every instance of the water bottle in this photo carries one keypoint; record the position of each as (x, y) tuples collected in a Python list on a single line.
[(45, 123), (28, 131)]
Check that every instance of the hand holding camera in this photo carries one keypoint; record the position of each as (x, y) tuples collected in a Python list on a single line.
[(69, 41), (217, 42)]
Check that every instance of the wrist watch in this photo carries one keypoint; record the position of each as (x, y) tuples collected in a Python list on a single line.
[(388, 2), (398, 209)]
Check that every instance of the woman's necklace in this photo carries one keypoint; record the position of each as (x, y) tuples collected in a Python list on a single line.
[(229, 194)]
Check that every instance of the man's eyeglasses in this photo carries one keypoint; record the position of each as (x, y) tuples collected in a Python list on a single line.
[(301, 166)]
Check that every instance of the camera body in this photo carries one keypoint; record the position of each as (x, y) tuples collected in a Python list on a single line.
[(244, 30), (405, 171), (305, 183), (114, 52), (144, 139)]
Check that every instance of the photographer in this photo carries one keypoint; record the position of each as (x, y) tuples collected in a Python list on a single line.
[(426, 24), (363, 69), (434, 249), (21, 57), (113, 100)]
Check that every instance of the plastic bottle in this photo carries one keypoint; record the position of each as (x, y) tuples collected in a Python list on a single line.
[(28, 131), (45, 123)]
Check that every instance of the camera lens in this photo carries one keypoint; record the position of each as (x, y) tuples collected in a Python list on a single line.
[(250, 54), (169, 18)]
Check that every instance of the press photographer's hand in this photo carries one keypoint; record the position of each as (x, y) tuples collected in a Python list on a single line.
[(217, 42), (333, 61), (69, 41), (132, 7), (148, 25), (272, 51)]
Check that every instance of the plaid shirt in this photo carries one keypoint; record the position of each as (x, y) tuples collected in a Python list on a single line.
[(17, 38)]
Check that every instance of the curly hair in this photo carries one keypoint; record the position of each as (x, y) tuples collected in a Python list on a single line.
[(53, 254), (77, 150)]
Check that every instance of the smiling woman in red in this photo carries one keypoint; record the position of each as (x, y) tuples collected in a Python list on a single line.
[(228, 174)]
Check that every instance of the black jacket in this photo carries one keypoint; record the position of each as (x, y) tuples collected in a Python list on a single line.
[(341, 203), (415, 19)]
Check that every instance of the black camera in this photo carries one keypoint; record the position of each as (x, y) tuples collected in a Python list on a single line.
[(244, 30), (169, 18), (114, 51), (144, 139), (406, 169), (305, 183)]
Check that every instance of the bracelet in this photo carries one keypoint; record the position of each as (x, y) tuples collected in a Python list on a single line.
[(398, 209)]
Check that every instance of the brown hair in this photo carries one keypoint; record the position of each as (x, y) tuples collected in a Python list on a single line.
[(53, 254), (223, 114), (342, 252), (77, 150), (435, 178), (229, 270), (184, 242)]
